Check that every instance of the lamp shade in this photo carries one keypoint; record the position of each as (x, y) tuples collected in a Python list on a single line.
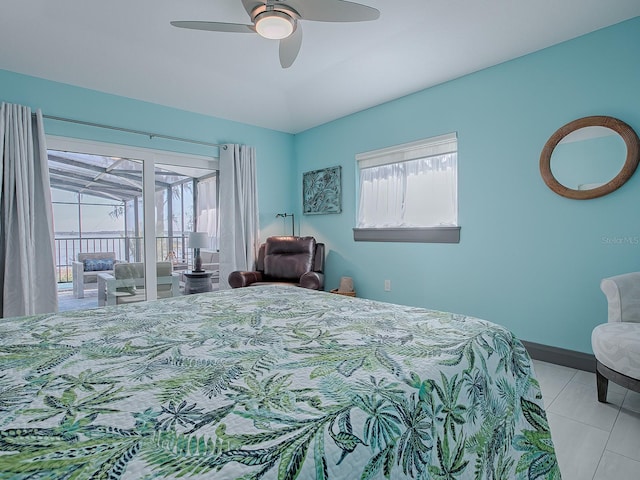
[(346, 284), (198, 240)]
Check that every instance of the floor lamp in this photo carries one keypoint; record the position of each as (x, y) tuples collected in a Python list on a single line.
[(293, 221)]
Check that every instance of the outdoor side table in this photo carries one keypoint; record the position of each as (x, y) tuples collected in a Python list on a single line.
[(197, 282)]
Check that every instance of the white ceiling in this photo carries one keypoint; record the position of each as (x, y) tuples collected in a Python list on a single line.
[(128, 48)]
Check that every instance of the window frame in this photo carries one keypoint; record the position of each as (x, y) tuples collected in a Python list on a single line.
[(408, 151)]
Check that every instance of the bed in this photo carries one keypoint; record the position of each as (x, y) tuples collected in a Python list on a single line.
[(268, 382)]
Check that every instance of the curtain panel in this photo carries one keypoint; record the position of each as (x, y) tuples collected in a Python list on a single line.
[(414, 193), (27, 260), (239, 224), (207, 219)]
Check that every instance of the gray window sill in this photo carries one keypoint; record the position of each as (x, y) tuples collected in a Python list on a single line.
[(411, 235)]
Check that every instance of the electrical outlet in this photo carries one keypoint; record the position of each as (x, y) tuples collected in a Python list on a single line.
[(387, 285)]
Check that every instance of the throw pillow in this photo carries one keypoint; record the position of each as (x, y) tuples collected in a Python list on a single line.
[(97, 264)]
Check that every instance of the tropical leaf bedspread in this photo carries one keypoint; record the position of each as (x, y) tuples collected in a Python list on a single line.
[(268, 383)]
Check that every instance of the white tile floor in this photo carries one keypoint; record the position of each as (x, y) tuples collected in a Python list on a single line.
[(593, 441)]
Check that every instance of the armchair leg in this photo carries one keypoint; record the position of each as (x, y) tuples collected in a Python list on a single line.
[(102, 291), (77, 270), (78, 287), (603, 384), (175, 285)]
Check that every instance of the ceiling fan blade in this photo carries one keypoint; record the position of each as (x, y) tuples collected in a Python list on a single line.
[(216, 26), (290, 46), (333, 10)]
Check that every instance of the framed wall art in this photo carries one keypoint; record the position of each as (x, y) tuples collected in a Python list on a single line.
[(322, 191)]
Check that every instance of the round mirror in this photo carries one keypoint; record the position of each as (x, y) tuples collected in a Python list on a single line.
[(590, 157)]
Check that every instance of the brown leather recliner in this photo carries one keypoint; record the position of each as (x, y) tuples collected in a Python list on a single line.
[(287, 260)]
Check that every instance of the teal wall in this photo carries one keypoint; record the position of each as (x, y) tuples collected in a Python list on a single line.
[(274, 150), (528, 258)]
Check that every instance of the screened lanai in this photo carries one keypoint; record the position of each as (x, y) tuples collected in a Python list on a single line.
[(98, 207)]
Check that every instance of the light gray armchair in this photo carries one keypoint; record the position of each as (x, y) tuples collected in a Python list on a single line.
[(616, 344), (126, 285), (210, 260)]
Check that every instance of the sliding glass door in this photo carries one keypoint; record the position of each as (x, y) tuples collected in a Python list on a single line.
[(186, 200), (115, 206), (99, 228)]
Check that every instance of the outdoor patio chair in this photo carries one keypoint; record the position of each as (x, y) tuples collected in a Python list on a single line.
[(127, 285), (87, 267)]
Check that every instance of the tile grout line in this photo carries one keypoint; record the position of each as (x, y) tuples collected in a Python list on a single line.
[(621, 455), (609, 436), (547, 407), (595, 472)]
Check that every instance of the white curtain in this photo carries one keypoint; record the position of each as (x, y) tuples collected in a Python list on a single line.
[(239, 228), (208, 210), (414, 193), (27, 265)]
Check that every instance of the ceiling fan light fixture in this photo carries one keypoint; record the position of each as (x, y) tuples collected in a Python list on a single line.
[(274, 25)]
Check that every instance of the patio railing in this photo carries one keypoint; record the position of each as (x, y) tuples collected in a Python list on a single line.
[(129, 249)]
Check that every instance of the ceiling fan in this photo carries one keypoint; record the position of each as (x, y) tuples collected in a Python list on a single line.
[(278, 20)]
